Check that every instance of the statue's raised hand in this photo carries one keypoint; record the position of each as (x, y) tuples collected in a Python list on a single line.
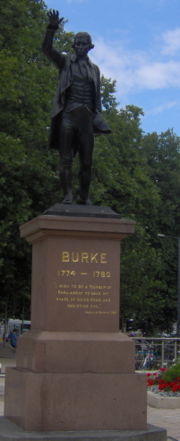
[(54, 19)]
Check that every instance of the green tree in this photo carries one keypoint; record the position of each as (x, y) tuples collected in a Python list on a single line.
[(108, 89), (27, 184), (163, 158), (148, 294), (162, 154), (28, 179), (120, 177), (151, 261)]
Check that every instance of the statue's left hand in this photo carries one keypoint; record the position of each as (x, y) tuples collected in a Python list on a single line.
[(54, 19)]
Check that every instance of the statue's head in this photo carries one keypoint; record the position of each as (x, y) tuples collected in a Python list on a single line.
[(82, 43)]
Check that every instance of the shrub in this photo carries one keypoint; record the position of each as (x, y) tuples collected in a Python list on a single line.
[(171, 374)]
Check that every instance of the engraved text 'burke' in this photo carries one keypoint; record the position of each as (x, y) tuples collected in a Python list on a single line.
[(83, 257)]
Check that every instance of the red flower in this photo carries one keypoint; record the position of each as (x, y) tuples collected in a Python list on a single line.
[(163, 385), (150, 382), (155, 378)]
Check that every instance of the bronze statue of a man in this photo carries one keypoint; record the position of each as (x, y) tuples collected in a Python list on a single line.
[(76, 115)]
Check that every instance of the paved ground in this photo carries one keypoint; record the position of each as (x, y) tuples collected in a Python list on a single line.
[(168, 419)]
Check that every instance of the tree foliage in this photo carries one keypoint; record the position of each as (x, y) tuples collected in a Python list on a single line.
[(136, 174), (28, 179), (139, 178)]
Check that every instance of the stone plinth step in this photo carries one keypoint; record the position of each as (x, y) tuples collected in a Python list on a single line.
[(11, 432)]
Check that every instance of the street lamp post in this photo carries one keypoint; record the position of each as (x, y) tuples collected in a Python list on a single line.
[(178, 281)]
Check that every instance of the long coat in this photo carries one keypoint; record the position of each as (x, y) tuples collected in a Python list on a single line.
[(63, 63)]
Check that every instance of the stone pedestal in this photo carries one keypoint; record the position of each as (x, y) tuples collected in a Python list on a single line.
[(75, 370)]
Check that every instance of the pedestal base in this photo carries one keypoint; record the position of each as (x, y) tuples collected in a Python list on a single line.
[(45, 401), (9, 431), (75, 371)]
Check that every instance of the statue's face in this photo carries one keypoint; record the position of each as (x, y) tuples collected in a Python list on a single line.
[(81, 46)]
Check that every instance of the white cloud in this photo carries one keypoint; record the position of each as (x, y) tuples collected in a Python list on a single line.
[(161, 108), (116, 63), (135, 71), (171, 42), (159, 75)]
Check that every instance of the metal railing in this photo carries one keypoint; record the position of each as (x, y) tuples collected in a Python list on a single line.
[(156, 352)]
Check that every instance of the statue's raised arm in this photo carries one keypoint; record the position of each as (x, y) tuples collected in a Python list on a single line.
[(47, 46)]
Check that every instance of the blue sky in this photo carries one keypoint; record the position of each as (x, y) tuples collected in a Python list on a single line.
[(137, 43)]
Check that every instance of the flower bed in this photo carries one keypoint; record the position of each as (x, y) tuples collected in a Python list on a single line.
[(164, 381), (164, 387)]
